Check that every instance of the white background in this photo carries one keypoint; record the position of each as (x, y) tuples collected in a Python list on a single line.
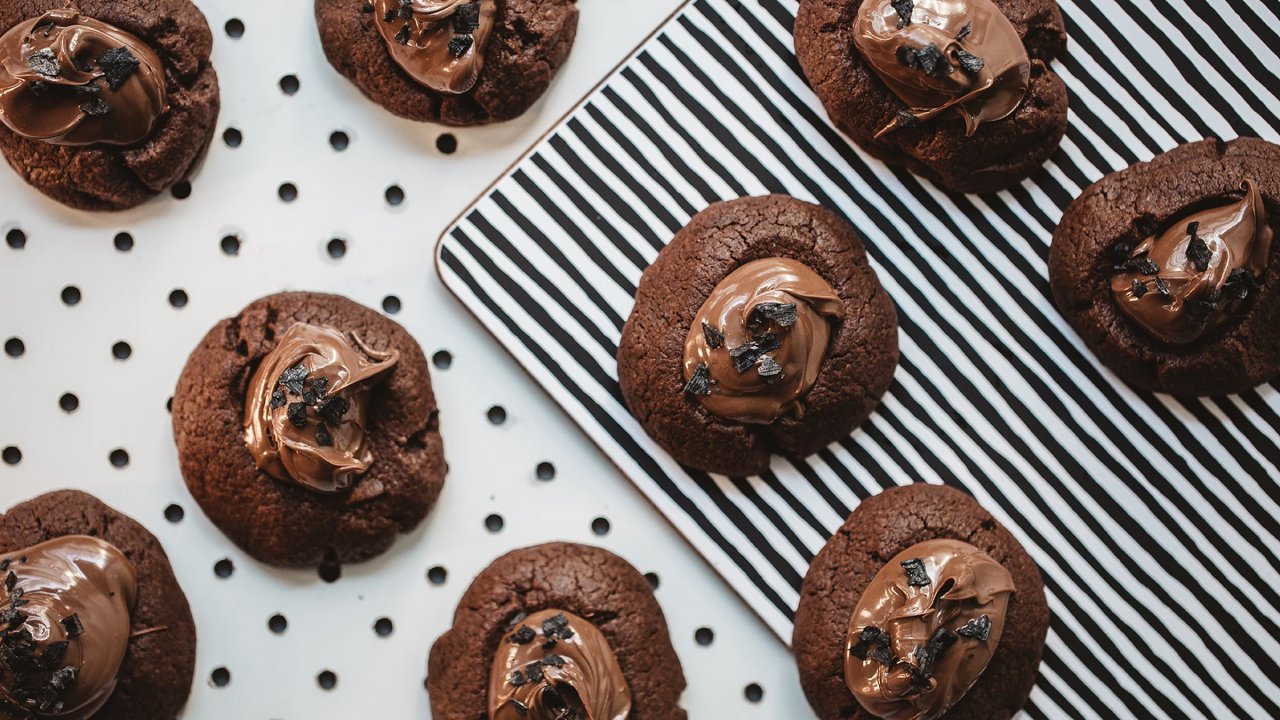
[(125, 297)]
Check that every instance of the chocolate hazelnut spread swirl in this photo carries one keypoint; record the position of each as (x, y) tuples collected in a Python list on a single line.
[(757, 343), (306, 413), (925, 629), (440, 43), (68, 79), (554, 665), (66, 627), (1187, 280), (941, 54)]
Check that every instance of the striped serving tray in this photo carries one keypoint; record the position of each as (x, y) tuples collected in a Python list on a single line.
[(1155, 520)]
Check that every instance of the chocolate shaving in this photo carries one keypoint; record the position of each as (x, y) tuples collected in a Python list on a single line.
[(699, 382), (1139, 288), (460, 44), (978, 628), (95, 106), (45, 63), (117, 65), (964, 31), (904, 9), (1199, 311), (1238, 284), (298, 414), (969, 62), (1141, 265), (713, 337), (769, 368), (916, 574), (784, 314), (278, 400), (1162, 289), (745, 356), (402, 35), (73, 626), (466, 19), (333, 410)]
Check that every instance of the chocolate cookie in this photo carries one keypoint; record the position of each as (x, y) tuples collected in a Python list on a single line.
[(105, 103), (761, 328), (1167, 269), (907, 545), (307, 430), (959, 93), (455, 62), (66, 580), (551, 629)]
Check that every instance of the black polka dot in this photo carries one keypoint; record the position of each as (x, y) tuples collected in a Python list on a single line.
[(234, 28), (119, 458), (289, 84), (494, 523), (178, 298), (123, 242), (704, 636), (288, 192), (71, 295), (68, 402), (394, 195), (168, 404), (327, 680), (442, 359), (653, 580), (546, 471), (230, 244), (437, 575), (16, 238), (174, 513), (11, 455), (232, 137), (14, 347), (223, 568), (277, 624), (383, 627), (181, 190), (330, 570), (447, 143), (220, 677), (497, 414), (339, 140), (121, 350), (337, 248), (391, 304), (600, 526), (753, 692)]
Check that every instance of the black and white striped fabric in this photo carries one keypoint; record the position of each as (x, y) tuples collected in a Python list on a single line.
[(1154, 520)]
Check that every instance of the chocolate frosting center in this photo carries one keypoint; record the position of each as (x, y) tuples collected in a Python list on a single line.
[(440, 43), (67, 630), (68, 79), (925, 629), (941, 54), (554, 665), (306, 412), (757, 343), (1193, 276)]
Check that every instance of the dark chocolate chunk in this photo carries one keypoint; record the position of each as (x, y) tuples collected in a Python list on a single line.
[(389, 15), (323, 438), (11, 618), (523, 636), (517, 678), (969, 62), (402, 35), (978, 628), (44, 62), (405, 12), (769, 368), (699, 382), (10, 580), (319, 384), (534, 673), (117, 65), (466, 19), (53, 654), (964, 31), (873, 643), (292, 378), (1121, 252), (745, 356), (1198, 252), (903, 8), (460, 44), (1199, 310), (550, 644), (557, 626), (908, 57), (1162, 288), (1238, 284), (784, 314), (916, 574), (932, 62), (520, 708), (333, 410), (553, 661), (1141, 265), (713, 337), (366, 8), (278, 400), (95, 106), (311, 397), (1139, 288), (73, 626), (298, 414)]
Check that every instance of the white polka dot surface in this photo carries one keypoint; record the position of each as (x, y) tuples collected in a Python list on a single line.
[(309, 185)]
